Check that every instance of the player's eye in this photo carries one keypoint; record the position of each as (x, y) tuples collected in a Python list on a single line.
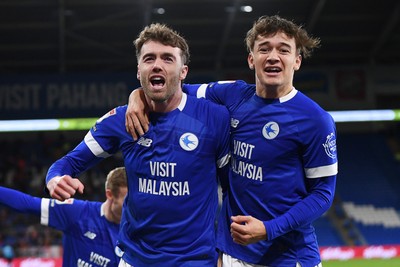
[(264, 49), (147, 58)]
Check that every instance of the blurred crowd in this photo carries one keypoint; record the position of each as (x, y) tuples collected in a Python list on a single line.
[(23, 166)]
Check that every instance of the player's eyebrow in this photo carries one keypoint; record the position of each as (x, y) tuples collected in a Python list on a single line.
[(163, 54), (285, 44)]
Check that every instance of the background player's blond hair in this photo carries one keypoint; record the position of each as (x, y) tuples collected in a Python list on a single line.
[(115, 180)]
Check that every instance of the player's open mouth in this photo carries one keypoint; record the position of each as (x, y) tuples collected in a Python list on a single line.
[(157, 81), (273, 69)]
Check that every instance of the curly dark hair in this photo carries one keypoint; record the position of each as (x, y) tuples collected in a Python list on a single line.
[(270, 25)]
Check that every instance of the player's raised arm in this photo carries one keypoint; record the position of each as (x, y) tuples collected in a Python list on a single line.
[(19, 201)]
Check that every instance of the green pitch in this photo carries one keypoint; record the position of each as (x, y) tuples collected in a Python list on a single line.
[(363, 263)]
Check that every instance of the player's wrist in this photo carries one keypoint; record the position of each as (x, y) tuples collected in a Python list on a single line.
[(52, 183)]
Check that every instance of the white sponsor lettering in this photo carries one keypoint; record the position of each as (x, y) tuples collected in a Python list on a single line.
[(99, 259), (164, 188), (162, 169), (247, 170), (82, 263), (242, 149), (95, 258)]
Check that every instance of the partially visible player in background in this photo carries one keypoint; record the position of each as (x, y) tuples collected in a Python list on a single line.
[(90, 228), (283, 153)]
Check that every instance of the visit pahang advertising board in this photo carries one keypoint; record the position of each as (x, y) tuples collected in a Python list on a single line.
[(63, 96)]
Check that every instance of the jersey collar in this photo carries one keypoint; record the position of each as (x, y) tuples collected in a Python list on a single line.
[(183, 102), (288, 96)]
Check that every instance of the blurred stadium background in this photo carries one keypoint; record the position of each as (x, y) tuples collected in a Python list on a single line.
[(75, 59)]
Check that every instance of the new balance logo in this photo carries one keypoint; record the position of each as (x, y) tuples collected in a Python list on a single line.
[(90, 235), (145, 142), (234, 123)]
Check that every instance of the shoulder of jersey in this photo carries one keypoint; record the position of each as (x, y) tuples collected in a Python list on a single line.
[(112, 112)]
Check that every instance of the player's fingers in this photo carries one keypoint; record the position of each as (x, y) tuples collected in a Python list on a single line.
[(76, 185), (65, 190), (81, 187), (144, 121), (238, 229), (143, 114), (130, 127), (240, 219), (67, 186), (137, 123), (58, 196), (59, 193), (53, 185), (239, 239)]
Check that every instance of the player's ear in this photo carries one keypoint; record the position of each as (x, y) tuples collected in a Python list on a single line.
[(297, 62), (184, 72), (109, 194), (250, 61), (138, 73)]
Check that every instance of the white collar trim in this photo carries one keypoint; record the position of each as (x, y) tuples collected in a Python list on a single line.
[(288, 96), (183, 102)]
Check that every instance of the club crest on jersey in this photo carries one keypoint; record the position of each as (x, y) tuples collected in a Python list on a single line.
[(188, 141), (330, 145), (270, 130)]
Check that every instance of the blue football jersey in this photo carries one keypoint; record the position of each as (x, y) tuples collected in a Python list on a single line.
[(283, 171), (89, 239), (170, 210)]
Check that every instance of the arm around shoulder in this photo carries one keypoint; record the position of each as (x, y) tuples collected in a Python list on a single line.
[(137, 114)]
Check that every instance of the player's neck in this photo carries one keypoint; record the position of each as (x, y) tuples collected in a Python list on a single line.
[(168, 105), (108, 214), (273, 91)]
